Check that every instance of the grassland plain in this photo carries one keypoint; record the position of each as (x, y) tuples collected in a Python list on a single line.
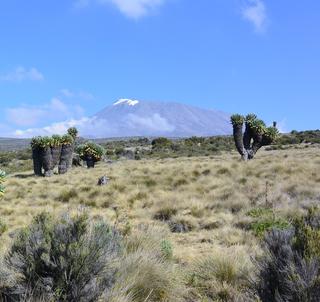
[(213, 209)]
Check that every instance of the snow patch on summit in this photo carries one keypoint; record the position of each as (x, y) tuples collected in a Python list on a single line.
[(126, 101)]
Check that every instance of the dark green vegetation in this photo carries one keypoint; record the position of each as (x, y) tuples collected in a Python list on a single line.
[(91, 153), (15, 159), (255, 136)]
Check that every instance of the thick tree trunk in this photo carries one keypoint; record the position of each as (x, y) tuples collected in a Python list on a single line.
[(90, 162), (47, 161), (37, 161), (64, 158), (70, 158), (55, 152), (238, 139), (247, 137)]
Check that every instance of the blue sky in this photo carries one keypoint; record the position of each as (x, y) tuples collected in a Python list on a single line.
[(63, 60)]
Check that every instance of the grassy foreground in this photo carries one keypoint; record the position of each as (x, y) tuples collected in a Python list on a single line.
[(214, 210)]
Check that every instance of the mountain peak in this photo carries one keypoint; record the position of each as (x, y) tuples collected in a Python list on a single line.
[(128, 102)]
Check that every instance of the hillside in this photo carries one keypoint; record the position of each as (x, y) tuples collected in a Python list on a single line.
[(211, 208)]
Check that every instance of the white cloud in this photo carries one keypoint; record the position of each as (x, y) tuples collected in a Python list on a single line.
[(152, 123), (22, 74), (131, 8), (55, 128), (256, 13), (130, 125), (77, 95), (52, 111)]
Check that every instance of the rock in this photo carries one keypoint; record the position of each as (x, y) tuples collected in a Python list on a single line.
[(103, 181)]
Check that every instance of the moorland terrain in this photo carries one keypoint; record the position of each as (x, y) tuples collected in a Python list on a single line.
[(193, 201)]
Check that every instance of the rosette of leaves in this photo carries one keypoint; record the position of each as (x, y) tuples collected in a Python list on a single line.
[(2, 178), (67, 139), (91, 149), (237, 119), (73, 131), (255, 136), (56, 140), (35, 142)]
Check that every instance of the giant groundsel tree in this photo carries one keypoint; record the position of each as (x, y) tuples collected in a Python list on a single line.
[(255, 136), (49, 152)]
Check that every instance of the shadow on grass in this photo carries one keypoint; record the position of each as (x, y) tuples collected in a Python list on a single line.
[(24, 175)]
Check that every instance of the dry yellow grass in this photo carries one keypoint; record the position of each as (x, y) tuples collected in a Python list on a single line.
[(211, 194)]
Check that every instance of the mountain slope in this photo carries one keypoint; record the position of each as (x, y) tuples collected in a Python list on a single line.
[(137, 118)]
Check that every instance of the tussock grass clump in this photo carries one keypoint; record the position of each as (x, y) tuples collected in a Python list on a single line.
[(67, 194), (165, 213), (180, 224), (222, 276), (146, 271), (145, 277)]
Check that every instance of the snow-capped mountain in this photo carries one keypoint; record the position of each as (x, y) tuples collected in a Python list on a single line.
[(127, 117)]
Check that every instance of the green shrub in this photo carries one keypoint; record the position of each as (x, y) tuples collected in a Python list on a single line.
[(264, 219), (91, 149), (161, 142), (260, 227), (69, 259), (307, 234), (166, 249)]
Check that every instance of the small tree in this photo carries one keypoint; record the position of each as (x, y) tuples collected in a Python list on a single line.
[(255, 136), (91, 153)]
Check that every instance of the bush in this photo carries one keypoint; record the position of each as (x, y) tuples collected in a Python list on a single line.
[(289, 270), (70, 259), (161, 142), (264, 219), (90, 149)]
